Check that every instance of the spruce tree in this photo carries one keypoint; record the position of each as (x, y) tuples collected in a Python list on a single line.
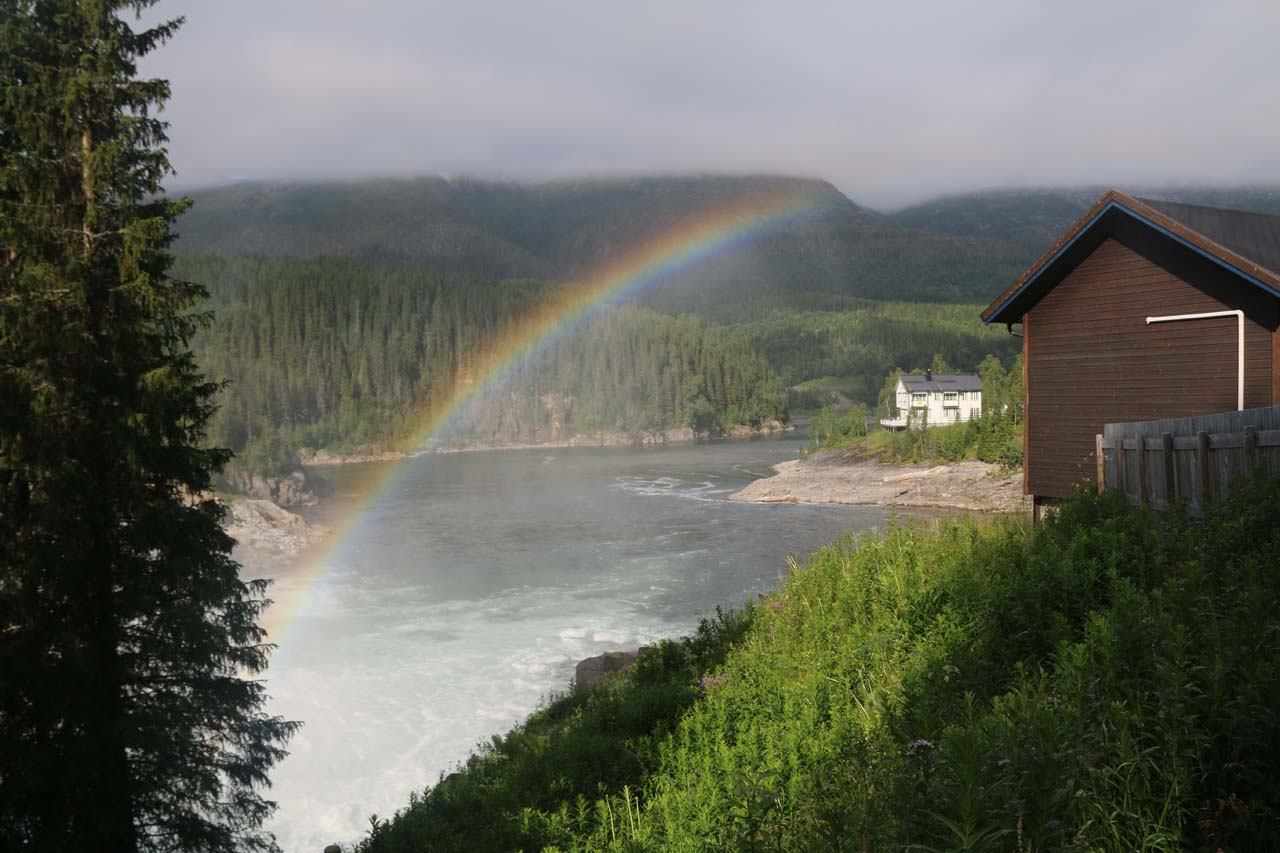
[(129, 714)]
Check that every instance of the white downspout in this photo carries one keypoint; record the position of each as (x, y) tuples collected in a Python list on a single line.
[(1239, 315)]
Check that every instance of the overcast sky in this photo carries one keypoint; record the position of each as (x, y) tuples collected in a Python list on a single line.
[(892, 100)]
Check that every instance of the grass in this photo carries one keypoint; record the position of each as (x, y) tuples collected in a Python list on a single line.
[(1106, 681), (989, 439)]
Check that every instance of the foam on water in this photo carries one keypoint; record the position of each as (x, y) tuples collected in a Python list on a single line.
[(704, 490), (392, 708)]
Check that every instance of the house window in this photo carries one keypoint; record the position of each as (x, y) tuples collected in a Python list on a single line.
[(917, 399), (951, 413), (974, 412), (950, 397)]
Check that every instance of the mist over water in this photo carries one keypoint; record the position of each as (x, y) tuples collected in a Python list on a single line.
[(477, 584)]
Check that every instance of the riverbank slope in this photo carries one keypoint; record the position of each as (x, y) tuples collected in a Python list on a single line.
[(1062, 685)]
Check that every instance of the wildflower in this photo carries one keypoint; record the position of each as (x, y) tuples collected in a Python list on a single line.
[(920, 745), (706, 682)]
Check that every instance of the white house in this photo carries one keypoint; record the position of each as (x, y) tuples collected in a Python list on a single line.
[(936, 399)]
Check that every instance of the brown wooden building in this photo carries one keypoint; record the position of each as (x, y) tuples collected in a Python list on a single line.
[(1105, 336)]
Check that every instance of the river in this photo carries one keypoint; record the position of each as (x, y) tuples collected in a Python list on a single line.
[(480, 579)]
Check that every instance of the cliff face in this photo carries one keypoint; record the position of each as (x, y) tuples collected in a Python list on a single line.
[(298, 488)]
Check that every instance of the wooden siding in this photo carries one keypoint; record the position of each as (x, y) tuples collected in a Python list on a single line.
[(1091, 359)]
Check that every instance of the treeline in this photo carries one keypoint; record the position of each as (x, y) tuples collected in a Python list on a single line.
[(985, 686), (864, 343), (334, 353), (636, 369)]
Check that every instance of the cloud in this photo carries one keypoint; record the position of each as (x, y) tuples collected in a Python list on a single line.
[(891, 102)]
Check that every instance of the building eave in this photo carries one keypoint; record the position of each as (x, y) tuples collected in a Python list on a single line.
[(1003, 309)]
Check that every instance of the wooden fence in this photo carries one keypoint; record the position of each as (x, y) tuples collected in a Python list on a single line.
[(1158, 462)]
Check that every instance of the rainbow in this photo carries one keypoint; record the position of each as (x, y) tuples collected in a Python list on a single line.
[(650, 262)]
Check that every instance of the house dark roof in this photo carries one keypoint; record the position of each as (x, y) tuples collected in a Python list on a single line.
[(916, 382), (1255, 236), (1247, 244)]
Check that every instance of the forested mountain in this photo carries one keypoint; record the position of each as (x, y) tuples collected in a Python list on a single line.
[(864, 343), (368, 303), (560, 230), (962, 248), (1032, 219), (338, 353)]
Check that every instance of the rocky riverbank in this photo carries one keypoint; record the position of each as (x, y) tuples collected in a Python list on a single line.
[(831, 478), (267, 534)]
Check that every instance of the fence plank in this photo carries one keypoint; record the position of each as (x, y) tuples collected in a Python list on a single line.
[(1102, 463), (1202, 458), (1122, 478), (1143, 490), (1199, 457)]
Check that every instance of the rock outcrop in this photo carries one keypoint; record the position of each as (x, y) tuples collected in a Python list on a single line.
[(830, 478), (366, 453), (297, 488), (268, 533), (769, 426), (595, 669)]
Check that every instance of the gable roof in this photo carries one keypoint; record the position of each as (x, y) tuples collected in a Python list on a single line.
[(917, 382), (1255, 236), (1247, 244)]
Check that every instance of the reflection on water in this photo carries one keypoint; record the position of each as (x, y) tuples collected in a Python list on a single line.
[(480, 579)]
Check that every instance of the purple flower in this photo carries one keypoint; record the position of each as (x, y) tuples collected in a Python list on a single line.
[(706, 682)]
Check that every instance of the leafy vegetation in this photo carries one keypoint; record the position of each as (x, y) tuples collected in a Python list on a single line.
[(335, 354), (863, 343), (994, 437), (1104, 681)]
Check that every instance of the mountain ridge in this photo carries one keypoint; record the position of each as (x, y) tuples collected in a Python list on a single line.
[(958, 248), (1033, 218), (566, 228)]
